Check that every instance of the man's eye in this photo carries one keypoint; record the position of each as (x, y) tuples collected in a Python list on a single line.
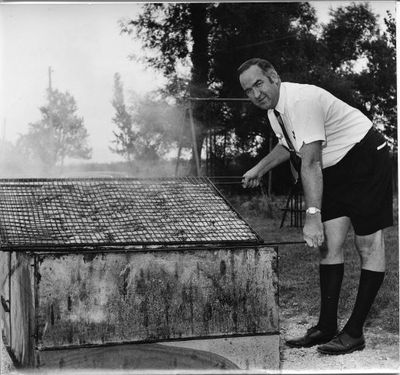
[(258, 83)]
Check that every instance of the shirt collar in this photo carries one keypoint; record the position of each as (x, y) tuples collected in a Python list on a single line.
[(280, 106)]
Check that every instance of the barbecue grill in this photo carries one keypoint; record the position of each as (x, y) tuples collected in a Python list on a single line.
[(61, 214), (102, 261)]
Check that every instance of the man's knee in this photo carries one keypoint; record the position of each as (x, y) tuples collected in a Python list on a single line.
[(371, 249), (331, 252)]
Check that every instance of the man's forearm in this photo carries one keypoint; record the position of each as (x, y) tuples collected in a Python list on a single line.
[(277, 156), (253, 176), (311, 175), (312, 180)]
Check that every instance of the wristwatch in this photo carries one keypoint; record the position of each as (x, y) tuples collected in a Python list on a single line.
[(313, 210)]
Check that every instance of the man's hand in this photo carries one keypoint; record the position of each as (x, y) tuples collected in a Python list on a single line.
[(313, 231), (278, 155), (252, 178)]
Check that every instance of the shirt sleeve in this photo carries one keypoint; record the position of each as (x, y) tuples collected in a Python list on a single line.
[(309, 119)]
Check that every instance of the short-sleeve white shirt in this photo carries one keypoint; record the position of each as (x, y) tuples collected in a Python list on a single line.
[(311, 114)]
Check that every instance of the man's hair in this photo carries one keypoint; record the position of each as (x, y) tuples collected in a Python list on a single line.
[(261, 63)]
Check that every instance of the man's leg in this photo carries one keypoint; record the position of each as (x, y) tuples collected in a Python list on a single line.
[(331, 271), (372, 253), (331, 274)]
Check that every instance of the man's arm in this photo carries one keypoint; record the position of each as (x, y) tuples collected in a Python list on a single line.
[(311, 176), (278, 155)]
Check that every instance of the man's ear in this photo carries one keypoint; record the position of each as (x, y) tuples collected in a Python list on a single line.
[(273, 77)]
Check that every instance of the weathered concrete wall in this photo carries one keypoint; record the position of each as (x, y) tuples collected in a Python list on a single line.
[(5, 295), (18, 325), (156, 296)]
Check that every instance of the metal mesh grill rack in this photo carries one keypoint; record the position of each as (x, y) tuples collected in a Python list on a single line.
[(64, 213)]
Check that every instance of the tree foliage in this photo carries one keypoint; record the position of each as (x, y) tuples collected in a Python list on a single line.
[(146, 129), (353, 37), (377, 82), (165, 29), (159, 125), (213, 39), (125, 136), (59, 134), (349, 33)]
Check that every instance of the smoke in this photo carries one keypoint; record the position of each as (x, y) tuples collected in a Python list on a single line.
[(15, 164), (161, 127), (137, 169)]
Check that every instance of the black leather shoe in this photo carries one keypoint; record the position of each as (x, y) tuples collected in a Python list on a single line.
[(343, 343), (314, 336)]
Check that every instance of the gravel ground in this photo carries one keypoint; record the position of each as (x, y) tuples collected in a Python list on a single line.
[(381, 352)]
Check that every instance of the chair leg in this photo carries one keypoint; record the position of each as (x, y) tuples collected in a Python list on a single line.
[(287, 205)]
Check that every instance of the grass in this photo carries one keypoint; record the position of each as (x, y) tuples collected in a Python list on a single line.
[(298, 267)]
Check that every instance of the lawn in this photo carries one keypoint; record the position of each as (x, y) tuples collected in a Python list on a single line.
[(298, 268)]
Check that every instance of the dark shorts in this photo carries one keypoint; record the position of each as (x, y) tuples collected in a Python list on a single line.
[(359, 186)]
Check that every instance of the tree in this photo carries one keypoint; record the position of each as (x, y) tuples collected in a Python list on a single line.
[(124, 142), (352, 36), (59, 134), (145, 130), (377, 82), (288, 35), (347, 35), (179, 32), (278, 32), (205, 37)]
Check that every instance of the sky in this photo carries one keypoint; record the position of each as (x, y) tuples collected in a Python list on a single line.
[(84, 48)]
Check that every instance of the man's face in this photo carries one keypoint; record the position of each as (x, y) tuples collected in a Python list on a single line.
[(261, 87)]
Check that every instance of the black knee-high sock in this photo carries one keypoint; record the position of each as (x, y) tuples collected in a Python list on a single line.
[(370, 282), (330, 276)]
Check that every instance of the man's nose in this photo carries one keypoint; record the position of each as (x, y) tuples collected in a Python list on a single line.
[(256, 92)]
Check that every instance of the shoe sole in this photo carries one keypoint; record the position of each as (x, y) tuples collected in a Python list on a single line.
[(359, 347), (309, 346)]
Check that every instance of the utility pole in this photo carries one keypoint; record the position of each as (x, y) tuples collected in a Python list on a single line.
[(50, 71), (3, 131), (49, 98), (52, 145)]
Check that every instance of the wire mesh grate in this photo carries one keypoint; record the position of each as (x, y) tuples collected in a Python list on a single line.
[(78, 212)]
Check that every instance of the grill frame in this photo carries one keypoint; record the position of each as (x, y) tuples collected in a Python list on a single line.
[(136, 245)]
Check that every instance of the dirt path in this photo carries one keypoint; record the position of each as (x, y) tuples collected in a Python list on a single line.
[(381, 352)]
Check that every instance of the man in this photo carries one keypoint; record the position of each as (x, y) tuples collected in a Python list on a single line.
[(346, 176)]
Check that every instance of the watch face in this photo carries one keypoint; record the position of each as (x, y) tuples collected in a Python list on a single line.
[(312, 210)]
